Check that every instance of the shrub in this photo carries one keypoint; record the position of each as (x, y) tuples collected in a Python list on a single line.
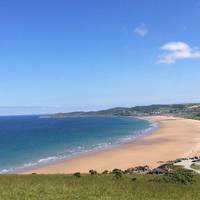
[(93, 172), (77, 174), (105, 172), (133, 179), (127, 171), (117, 173)]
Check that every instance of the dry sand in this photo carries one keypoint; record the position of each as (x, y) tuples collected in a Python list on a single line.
[(175, 138)]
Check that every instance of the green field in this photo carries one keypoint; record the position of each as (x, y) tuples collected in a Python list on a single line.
[(101, 187)]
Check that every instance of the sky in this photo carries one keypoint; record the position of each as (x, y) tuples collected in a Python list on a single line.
[(67, 55)]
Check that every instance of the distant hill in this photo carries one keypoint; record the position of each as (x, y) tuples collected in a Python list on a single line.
[(191, 110)]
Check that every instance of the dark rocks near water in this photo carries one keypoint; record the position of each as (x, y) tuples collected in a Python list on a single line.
[(138, 169), (163, 169), (158, 171)]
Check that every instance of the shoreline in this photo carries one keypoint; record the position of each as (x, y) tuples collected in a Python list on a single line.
[(148, 149), (44, 162), (153, 126)]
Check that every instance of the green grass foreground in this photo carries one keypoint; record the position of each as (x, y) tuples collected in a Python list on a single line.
[(87, 187)]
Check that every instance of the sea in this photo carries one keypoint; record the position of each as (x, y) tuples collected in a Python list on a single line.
[(27, 142)]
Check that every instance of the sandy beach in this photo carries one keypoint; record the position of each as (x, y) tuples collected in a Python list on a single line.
[(175, 138)]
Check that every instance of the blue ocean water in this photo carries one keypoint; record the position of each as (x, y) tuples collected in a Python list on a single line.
[(29, 141)]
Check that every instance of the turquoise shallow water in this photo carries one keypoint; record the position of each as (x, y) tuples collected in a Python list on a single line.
[(29, 141)]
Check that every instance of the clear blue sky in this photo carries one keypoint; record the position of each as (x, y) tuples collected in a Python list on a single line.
[(92, 54)]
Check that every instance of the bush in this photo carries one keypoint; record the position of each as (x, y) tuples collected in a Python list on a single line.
[(77, 174), (133, 179), (117, 173), (127, 171), (105, 172), (93, 172)]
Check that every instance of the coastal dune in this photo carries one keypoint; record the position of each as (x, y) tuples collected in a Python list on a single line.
[(175, 138)]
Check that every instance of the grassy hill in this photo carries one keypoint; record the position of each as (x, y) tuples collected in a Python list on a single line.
[(102, 187), (183, 110)]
